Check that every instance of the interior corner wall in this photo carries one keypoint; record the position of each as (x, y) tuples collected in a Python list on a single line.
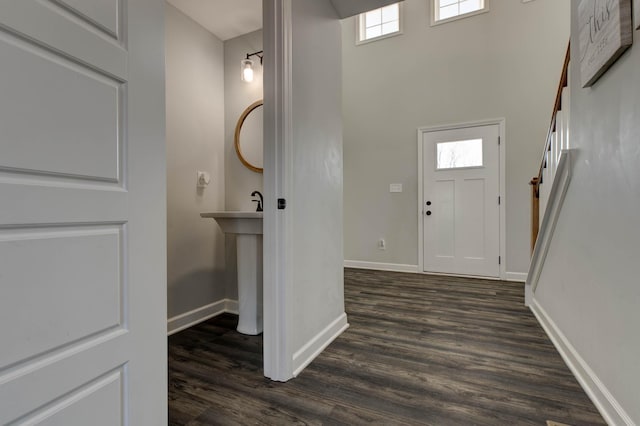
[(502, 64), (589, 287), (240, 182), (195, 142)]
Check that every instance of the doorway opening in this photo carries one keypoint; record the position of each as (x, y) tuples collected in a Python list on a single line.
[(214, 160)]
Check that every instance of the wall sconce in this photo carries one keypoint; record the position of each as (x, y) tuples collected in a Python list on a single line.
[(246, 66)]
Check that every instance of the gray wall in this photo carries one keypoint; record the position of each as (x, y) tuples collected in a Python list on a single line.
[(316, 199), (303, 272), (195, 141), (505, 63), (589, 286), (240, 182)]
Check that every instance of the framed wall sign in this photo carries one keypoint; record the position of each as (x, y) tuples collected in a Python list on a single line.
[(605, 33)]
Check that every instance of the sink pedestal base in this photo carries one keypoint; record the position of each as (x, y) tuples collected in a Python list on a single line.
[(249, 253), (247, 227)]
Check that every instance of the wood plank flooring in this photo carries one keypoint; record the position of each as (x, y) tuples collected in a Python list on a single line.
[(420, 350)]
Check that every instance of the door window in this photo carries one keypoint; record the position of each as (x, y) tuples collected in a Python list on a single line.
[(459, 154)]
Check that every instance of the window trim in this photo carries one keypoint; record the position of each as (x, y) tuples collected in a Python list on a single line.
[(433, 8), (359, 23)]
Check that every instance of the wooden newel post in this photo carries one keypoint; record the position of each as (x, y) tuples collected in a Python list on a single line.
[(535, 210)]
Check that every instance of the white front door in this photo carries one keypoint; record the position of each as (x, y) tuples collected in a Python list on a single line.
[(460, 206), (82, 213)]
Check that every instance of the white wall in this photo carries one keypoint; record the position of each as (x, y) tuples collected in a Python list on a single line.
[(316, 200), (505, 63), (240, 182), (589, 285), (195, 141)]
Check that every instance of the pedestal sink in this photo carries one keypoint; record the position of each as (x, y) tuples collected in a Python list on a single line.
[(247, 226)]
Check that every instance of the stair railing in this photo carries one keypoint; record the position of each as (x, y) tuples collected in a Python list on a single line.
[(557, 140), (549, 187)]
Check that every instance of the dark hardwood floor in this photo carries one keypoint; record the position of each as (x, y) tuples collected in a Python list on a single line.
[(420, 350)]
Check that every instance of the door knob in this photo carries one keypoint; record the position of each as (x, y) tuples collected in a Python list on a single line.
[(428, 203), (428, 212)]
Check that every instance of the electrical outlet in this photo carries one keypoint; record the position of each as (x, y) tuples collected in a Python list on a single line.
[(382, 245)]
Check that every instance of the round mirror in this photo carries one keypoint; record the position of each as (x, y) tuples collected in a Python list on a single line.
[(248, 137)]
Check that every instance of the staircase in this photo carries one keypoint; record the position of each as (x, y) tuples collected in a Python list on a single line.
[(549, 186)]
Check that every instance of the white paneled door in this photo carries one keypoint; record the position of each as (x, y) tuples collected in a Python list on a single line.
[(460, 206), (82, 213)]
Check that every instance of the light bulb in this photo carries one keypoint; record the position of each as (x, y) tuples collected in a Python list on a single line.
[(247, 70), (247, 74)]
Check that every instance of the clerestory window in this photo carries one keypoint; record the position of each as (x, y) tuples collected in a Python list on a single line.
[(449, 10), (379, 23)]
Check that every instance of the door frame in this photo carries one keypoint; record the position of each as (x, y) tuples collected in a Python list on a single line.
[(278, 169), (501, 123)]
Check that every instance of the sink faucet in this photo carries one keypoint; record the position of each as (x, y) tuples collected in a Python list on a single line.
[(260, 201)]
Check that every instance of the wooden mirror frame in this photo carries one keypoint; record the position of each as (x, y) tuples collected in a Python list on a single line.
[(236, 136)]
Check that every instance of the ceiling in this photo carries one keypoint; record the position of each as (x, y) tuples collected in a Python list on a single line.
[(227, 19), (224, 18)]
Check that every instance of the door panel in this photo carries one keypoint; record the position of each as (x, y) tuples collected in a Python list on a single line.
[(101, 13), (45, 135), (99, 399), (472, 213), (444, 210), (82, 213), (48, 24), (461, 216), (83, 262)]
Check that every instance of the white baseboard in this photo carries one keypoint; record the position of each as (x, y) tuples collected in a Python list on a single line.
[(231, 306), (393, 267), (516, 276), (414, 269), (610, 409), (198, 315), (317, 344)]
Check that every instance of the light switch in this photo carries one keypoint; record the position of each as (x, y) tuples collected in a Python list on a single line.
[(395, 187), (203, 179)]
